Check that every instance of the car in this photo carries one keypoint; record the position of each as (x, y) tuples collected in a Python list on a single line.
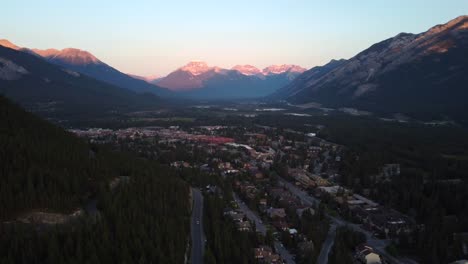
[(198, 222)]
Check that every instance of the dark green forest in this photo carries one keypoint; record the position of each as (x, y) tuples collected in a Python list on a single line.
[(144, 219), (346, 241)]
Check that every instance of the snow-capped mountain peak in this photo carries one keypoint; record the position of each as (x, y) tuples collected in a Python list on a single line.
[(196, 67), (278, 69), (75, 56), (247, 69), (6, 43)]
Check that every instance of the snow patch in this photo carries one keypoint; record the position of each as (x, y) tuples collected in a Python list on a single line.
[(72, 73), (10, 71)]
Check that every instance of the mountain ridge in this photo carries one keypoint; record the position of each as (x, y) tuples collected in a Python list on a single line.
[(85, 62), (199, 80), (374, 76), (48, 89)]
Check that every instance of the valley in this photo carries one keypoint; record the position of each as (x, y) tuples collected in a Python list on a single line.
[(112, 152)]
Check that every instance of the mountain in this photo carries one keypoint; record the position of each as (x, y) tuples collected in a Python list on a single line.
[(149, 79), (7, 44), (279, 69), (86, 63), (45, 87), (247, 69), (422, 74), (308, 76), (198, 80)]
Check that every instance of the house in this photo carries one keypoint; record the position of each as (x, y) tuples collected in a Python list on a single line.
[(319, 181), (332, 190), (365, 255), (292, 231), (262, 251), (276, 213), (235, 216), (243, 226), (264, 254), (281, 225)]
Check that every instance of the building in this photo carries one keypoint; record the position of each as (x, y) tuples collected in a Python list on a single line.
[(244, 226), (264, 254), (276, 213), (365, 255)]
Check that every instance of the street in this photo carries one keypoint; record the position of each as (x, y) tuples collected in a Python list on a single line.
[(252, 216), (378, 245), (197, 234), (327, 245)]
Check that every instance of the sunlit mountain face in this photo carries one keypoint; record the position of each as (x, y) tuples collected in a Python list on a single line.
[(199, 80)]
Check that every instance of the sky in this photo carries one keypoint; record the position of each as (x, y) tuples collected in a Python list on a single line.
[(156, 37)]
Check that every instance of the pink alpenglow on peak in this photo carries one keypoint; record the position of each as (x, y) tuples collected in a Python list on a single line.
[(46, 53), (7, 44), (247, 69), (278, 69), (148, 79), (196, 67), (76, 57), (70, 55)]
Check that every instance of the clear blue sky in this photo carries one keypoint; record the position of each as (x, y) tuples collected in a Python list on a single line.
[(155, 37)]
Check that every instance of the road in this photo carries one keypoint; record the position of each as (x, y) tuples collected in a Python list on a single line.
[(327, 245), (378, 245), (253, 217), (198, 236), (303, 196), (284, 253)]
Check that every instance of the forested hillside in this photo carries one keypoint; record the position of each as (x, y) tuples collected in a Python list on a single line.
[(143, 219)]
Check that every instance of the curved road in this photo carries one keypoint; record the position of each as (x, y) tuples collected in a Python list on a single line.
[(198, 236), (327, 245)]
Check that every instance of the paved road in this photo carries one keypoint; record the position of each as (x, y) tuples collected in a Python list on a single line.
[(198, 236), (284, 253), (377, 244), (327, 245), (303, 196), (252, 216)]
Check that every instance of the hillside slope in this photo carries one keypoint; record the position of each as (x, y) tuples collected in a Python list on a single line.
[(418, 74), (44, 87), (86, 63), (48, 174)]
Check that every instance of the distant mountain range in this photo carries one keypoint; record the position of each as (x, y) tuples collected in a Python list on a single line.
[(148, 79), (198, 80), (422, 74), (47, 88), (86, 63), (194, 80)]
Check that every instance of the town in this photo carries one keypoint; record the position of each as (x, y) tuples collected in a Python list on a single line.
[(286, 186)]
